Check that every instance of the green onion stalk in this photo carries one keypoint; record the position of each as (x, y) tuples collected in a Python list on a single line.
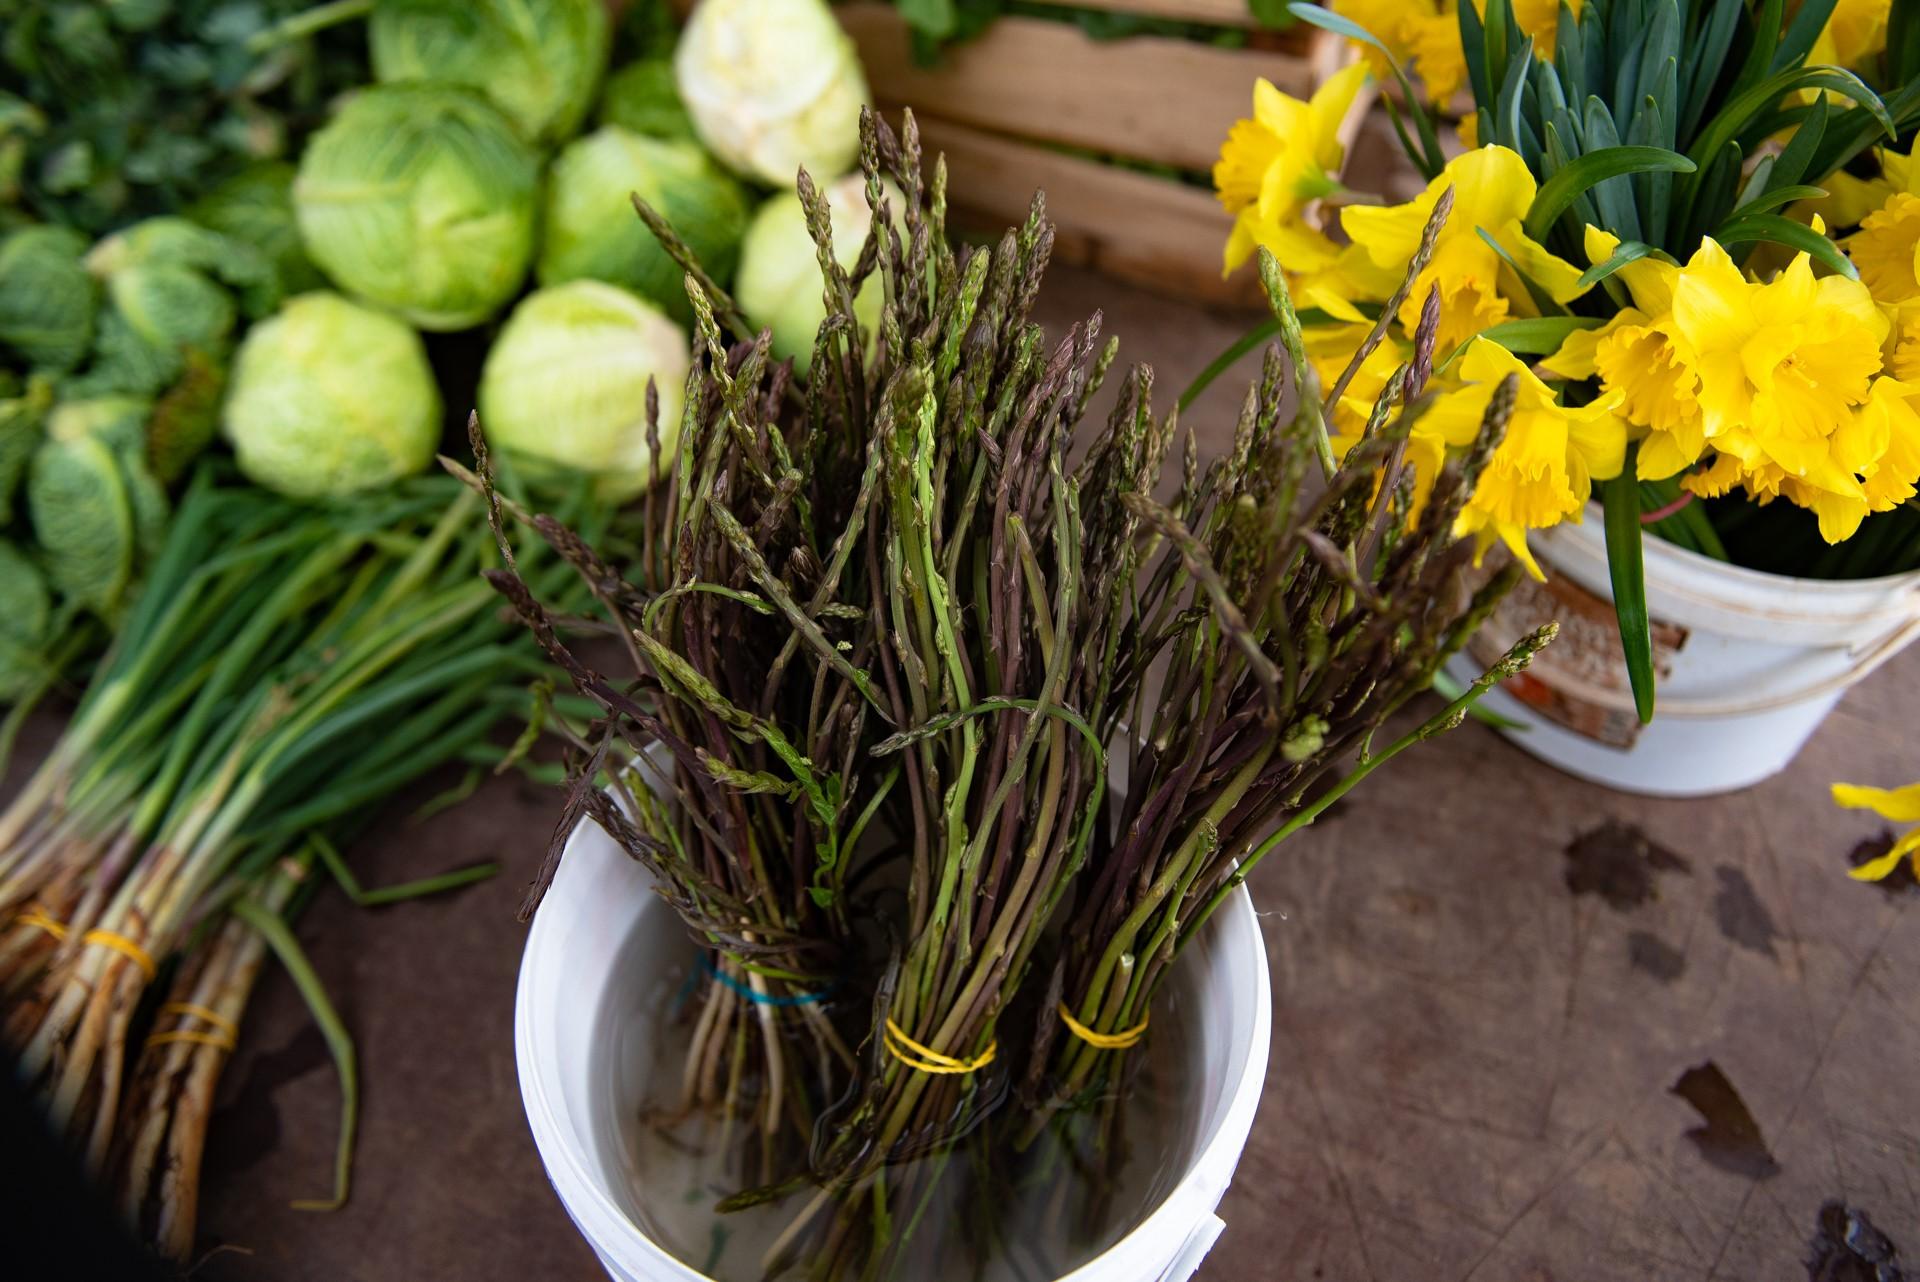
[(907, 625), (286, 669)]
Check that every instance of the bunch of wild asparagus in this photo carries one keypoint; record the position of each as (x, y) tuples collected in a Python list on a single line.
[(905, 632)]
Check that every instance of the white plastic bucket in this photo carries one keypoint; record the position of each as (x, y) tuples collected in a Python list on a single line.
[(1749, 664), (570, 990)]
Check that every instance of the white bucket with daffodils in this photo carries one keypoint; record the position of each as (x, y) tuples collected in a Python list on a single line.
[(1647, 240)]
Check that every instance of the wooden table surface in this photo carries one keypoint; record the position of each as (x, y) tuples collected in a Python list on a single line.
[(1476, 1032)]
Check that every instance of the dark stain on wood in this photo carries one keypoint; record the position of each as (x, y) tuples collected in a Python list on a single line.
[(1731, 1138), (1901, 880), (1741, 916), (1654, 955), (1846, 1247), (1617, 862)]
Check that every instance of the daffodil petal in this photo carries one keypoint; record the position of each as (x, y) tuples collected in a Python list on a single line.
[(1902, 805)]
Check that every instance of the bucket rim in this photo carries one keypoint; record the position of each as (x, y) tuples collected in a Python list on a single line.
[(1590, 532), (614, 1236)]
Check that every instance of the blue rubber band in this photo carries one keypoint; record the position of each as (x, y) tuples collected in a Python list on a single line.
[(764, 999)]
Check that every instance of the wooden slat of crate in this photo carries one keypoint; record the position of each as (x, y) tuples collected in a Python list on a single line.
[(1133, 226), (1147, 98)]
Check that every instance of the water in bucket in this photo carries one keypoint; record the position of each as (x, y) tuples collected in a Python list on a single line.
[(984, 1220)]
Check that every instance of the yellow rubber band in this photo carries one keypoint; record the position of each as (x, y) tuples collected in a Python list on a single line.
[(204, 1014), (219, 1041), (37, 916), (1120, 1041), (927, 1060), (126, 948)]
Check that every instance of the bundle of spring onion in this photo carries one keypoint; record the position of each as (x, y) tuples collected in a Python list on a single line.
[(909, 629), (285, 669)]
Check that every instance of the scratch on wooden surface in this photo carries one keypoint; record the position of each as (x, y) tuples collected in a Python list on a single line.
[(1323, 1142), (1479, 1125), (1666, 1178), (1575, 1163)]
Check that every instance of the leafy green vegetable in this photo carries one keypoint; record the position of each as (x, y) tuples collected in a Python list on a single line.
[(565, 385), (539, 61), (330, 398), (255, 207), (26, 609), (591, 232), (21, 419), (119, 109), (46, 298), (171, 287), (83, 520), (641, 97), (420, 197)]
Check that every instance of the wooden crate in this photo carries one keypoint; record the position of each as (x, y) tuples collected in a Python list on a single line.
[(1003, 108)]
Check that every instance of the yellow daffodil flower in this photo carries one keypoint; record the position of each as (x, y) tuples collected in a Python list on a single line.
[(1882, 443), (1492, 191), (1850, 199), (1640, 354), (1422, 35), (1539, 19), (1856, 31), (1780, 365), (1901, 805), (1872, 465), (1544, 469), (1274, 166), (1903, 343), (1886, 249), (1331, 349)]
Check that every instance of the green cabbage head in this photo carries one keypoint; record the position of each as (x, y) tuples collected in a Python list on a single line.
[(641, 97), (420, 197), (565, 386), (779, 285), (592, 232), (773, 85), (540, 61), (46, 298), (329, 397)]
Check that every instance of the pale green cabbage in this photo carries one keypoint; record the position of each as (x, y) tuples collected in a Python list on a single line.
[(420, 197), (773, 85), (592, 232), (46, 298), (565, 385), (329, 397), (540, 61), (779, 285)]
